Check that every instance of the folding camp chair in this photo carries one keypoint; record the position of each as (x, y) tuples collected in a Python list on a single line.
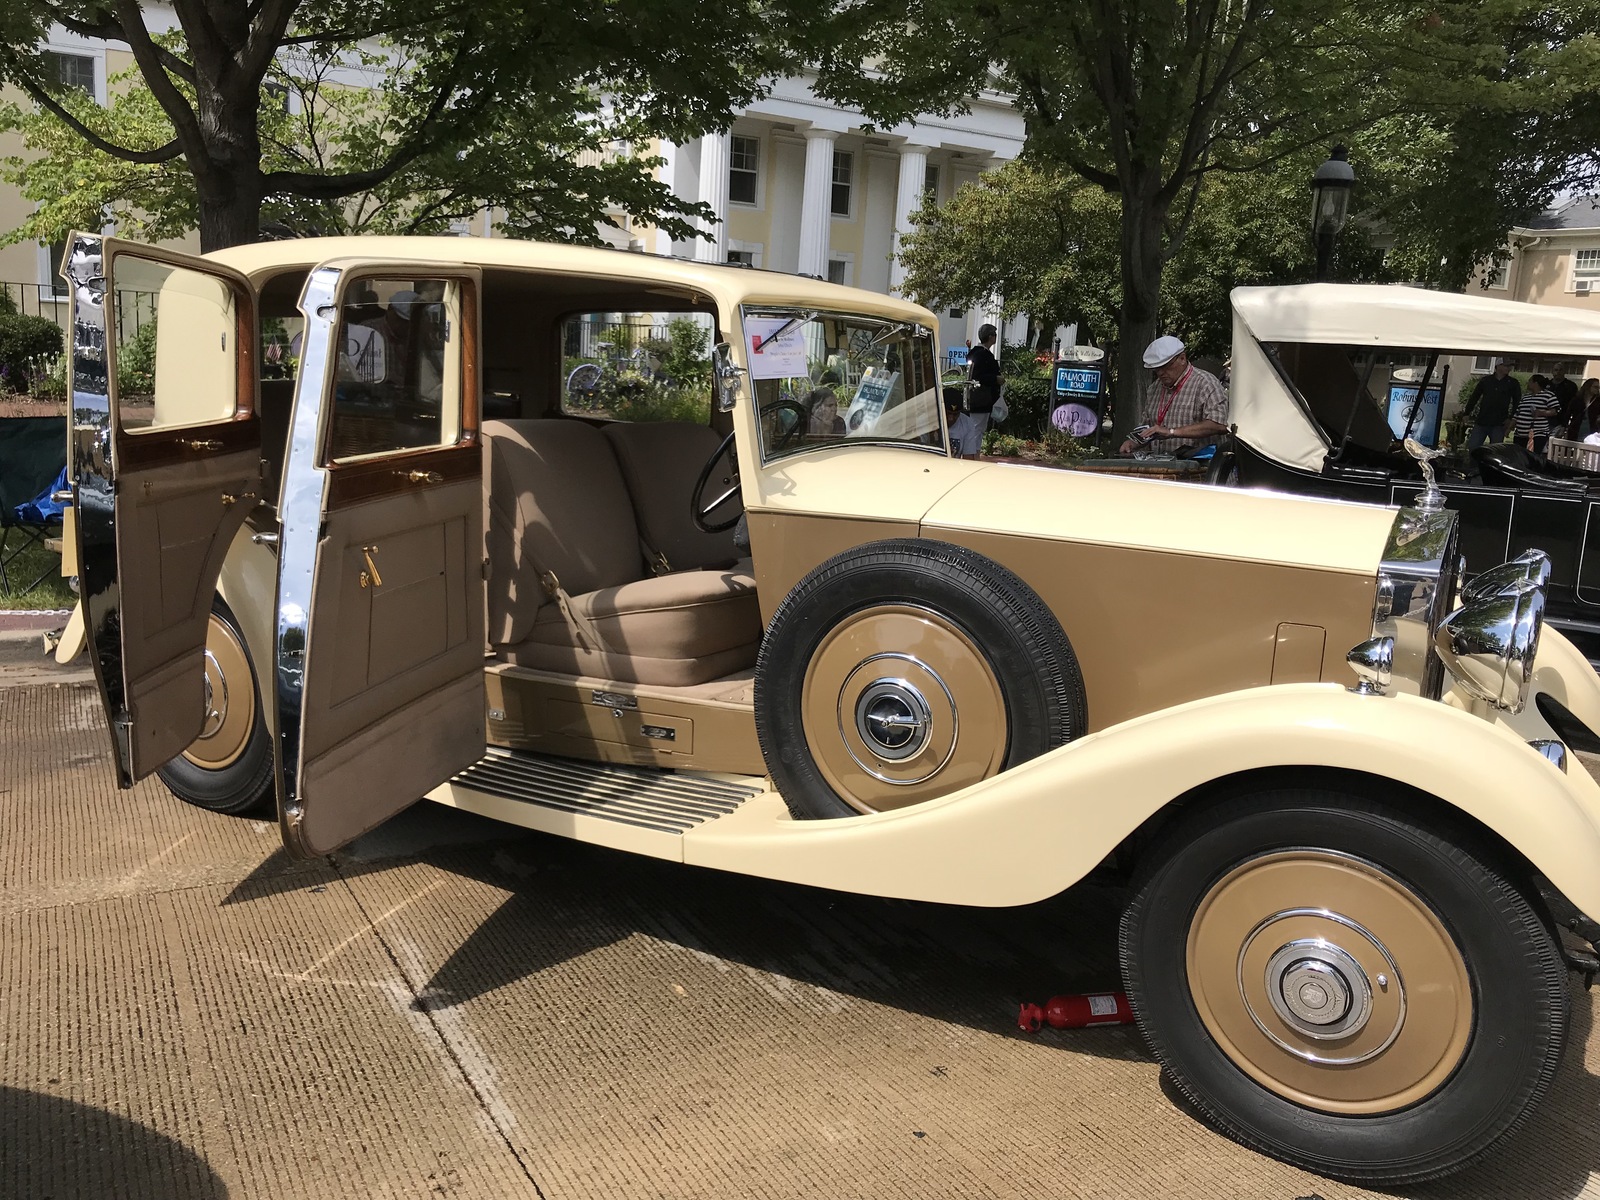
[(33, 456)]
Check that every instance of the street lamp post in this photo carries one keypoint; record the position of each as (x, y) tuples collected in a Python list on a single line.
[(1330, 205)]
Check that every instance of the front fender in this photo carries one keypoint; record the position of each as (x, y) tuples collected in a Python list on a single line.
[(1038, 828)]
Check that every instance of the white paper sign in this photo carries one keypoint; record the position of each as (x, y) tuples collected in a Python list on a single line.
[(783, 358)]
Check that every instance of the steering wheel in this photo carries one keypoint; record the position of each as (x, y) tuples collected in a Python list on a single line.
[(701, 509)]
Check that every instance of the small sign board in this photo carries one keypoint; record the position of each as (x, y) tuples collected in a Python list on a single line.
[(872, 393), (1077, 381), (780, 357), (1425, 425)]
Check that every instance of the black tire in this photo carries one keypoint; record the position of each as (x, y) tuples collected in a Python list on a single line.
[(245, 784), (1031, 694), (1508, 1037)]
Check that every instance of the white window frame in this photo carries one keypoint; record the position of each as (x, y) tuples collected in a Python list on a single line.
[(1589, 273), (848, 183), (754, 249), (761, 190), (1497, 268), (932, 179), (51, 289), (1483, 364), (848, 260)]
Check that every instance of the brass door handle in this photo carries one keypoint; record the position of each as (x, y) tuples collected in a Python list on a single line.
[(370, 577), (420, 476), (203, 444)]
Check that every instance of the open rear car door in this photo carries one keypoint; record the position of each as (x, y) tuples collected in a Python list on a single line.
[(380, 633), (163, 345)]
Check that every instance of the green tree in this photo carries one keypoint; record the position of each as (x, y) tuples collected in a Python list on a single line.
[(1147, 98), (503, 102)]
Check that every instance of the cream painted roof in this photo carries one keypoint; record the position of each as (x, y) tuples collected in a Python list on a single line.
[(729, 285), (1366, 314)]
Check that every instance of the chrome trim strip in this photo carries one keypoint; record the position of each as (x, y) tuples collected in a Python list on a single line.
[(94, 486), (300, 523)]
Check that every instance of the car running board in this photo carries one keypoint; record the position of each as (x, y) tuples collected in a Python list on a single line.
[(641, 809)]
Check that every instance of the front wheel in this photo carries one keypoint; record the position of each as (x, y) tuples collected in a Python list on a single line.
[(1343, 986), (228, 768)]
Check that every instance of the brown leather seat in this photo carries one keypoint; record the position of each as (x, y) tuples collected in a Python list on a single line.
[(557, 504), (660, 461)]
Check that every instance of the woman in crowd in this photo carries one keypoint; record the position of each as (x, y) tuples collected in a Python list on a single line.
[(1585, 410)]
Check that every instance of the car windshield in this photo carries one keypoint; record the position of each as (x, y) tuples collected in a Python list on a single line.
[(825, 378)]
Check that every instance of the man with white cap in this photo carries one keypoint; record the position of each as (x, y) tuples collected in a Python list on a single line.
[(1184, 406)]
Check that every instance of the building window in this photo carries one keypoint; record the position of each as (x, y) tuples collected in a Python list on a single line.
[(743, 258), (1497, 272), (1483, 364), (744, 166), (838, 271), (842, 162), (930, 183), (71, 71), (1586, 271)]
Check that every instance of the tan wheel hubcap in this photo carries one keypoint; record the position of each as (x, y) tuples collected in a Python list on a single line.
[(900, 706), (1330, 982), (230, 701)]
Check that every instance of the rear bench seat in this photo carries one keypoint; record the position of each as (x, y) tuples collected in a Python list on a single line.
[(558, 504)]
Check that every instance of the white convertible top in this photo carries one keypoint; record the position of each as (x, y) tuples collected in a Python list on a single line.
[(1375, 314)]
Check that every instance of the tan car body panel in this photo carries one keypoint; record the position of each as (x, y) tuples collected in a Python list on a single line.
[(1039, 828)]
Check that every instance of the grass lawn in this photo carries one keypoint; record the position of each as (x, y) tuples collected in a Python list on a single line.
[(52, 591)]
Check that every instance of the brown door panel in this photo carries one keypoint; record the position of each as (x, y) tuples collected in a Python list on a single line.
[(175, 527), (378, 645)]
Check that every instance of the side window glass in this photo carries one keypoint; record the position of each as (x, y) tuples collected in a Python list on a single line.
[(279, 347), (397, 374), (176, 360), (637, 366)]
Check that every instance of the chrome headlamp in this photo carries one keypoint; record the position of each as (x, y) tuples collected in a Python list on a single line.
[(1531, 565), (1488, 645)]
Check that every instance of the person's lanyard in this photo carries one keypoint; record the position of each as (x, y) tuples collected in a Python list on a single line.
[(1161, 417)]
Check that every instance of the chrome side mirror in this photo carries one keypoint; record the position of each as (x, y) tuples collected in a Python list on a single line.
[(726, 376)]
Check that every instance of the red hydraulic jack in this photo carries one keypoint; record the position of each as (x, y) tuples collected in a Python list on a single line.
[(1077, 1012)]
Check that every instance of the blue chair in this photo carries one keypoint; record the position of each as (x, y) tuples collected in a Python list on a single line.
[(33, 453)]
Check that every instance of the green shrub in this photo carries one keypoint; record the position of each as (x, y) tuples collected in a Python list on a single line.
[(22, 341), (1027, 383), (687, 405), (136, 362), (683, 353)]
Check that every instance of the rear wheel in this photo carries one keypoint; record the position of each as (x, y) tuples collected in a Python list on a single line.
[(1335, 984), (228, 768)]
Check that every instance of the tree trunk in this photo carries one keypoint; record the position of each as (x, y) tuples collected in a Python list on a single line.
[(229, 182), (1142, 259)]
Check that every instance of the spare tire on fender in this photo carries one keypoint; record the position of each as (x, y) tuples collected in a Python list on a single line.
[(904, 670)]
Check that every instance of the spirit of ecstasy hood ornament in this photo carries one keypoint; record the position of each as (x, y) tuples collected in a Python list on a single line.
[(1432, 499)]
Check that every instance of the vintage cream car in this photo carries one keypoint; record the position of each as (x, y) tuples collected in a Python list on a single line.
[(421, 564)]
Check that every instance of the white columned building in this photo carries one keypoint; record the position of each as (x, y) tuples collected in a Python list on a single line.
[(912, 188), (714, 191), (815, 202), (803, 185)]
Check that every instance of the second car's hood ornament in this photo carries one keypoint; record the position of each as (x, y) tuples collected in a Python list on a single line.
[(1432, 499)]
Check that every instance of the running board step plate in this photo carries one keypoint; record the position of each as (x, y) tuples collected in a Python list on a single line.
[(644, 798)]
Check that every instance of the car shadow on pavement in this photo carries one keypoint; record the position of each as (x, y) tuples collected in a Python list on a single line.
[(52, 1146), (968, 966)]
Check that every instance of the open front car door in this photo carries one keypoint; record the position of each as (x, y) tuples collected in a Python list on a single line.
[(380, 633), (163, 364)]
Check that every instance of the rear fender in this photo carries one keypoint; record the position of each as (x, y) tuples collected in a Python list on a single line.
[(248, 585), (1038, 828)]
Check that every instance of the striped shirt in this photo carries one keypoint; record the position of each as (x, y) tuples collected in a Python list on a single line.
[(1199, 396), (1536, 413)]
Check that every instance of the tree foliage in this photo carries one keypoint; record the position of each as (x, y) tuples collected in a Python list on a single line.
[(530, 107), (1149, 100)]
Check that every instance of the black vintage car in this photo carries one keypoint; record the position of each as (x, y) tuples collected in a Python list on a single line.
[(1324, 389)]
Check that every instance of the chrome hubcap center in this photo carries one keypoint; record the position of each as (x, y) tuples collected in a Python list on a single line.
[(1318, 989), (216, 697), (893, 719)]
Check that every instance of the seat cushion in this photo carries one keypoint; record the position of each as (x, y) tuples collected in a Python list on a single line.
[(556, 502), (660, 462), (673, 630)]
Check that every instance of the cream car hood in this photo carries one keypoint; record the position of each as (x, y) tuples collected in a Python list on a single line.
[(1178, 518)]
